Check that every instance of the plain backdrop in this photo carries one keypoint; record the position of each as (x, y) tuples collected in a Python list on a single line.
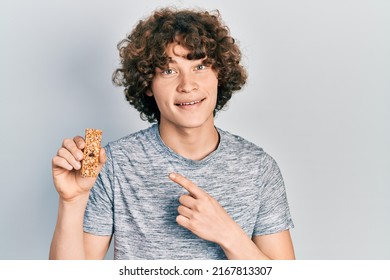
[(317, 100)]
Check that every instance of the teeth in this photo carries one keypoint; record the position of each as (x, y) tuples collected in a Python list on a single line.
[(189, 103)]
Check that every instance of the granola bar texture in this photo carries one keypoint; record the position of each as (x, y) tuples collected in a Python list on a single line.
[(93, 138)]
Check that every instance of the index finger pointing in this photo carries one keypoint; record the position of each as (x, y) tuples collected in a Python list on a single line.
[(187, 184)]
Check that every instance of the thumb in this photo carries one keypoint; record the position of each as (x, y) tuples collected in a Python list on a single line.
[(102, 160)]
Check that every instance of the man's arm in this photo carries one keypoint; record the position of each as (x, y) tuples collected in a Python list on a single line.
[(69, 241), (277, 245), (96, 247), (204, 216)]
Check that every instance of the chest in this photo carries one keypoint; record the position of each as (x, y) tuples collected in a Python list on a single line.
[(144, 194)]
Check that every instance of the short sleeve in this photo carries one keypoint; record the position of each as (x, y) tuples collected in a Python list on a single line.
[(99, 217), (274, 213)]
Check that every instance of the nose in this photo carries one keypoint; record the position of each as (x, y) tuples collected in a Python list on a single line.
[(187, 83)]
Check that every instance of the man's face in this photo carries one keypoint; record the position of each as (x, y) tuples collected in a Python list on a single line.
[(185, 92)]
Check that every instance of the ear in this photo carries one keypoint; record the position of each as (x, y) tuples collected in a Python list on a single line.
[(149, 92)]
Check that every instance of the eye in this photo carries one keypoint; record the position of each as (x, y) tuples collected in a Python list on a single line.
[(168, 72), (201, 67)]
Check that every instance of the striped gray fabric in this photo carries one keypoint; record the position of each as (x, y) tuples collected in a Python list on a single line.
[(134, 199)]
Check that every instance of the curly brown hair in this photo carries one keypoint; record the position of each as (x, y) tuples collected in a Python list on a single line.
[(202, 33)]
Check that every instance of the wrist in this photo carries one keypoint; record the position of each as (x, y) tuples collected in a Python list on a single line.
[(232, 239), (239, 246), (80, 200)]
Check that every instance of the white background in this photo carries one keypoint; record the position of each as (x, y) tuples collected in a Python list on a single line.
[(317, 100)]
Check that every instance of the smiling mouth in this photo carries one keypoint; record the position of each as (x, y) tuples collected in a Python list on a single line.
[(189, 103)]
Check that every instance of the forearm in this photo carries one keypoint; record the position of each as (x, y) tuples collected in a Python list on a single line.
[(238, 246), (68, 238)]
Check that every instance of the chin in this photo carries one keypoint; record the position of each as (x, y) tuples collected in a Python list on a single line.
[(192, 122)]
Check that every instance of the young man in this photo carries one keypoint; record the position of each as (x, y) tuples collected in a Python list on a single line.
[(181, 189)]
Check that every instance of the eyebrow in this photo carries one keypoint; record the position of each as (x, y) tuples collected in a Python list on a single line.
[(171, 60)]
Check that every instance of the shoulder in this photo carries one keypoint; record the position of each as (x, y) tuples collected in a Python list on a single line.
[(137, 142), (244, 150), (134, 138), (236, 143)]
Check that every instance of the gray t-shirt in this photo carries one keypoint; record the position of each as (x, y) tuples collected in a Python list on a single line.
[(134, 199)]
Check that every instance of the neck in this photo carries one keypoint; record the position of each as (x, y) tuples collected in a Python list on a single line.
[(192, 143)]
